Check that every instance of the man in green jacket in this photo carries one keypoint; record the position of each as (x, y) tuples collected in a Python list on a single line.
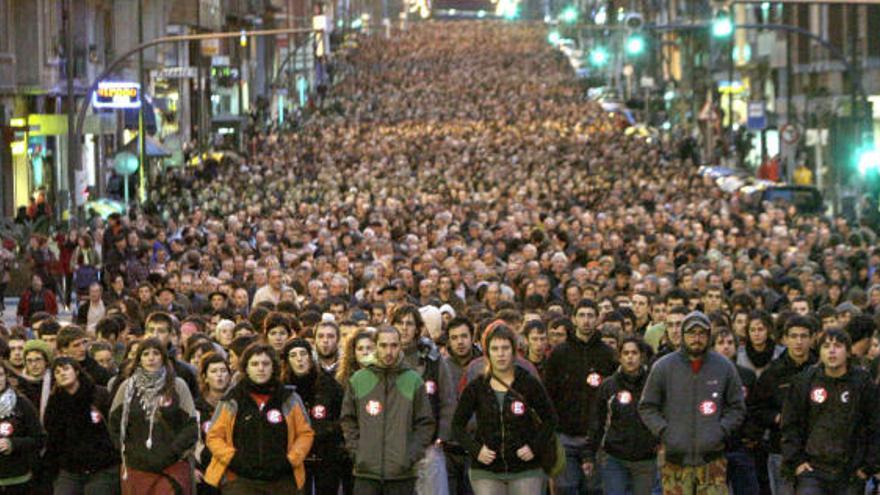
[(387, 421)]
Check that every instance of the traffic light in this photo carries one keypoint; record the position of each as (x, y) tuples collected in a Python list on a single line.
[(722, 25), (635, 44), (553, 37), (569, 15), (599, 56), (242, 40), (868, 161)]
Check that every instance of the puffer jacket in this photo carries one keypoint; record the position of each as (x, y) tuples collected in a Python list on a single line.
[(263, 444)]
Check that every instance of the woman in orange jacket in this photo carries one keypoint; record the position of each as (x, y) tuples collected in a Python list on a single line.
[(260, 435)]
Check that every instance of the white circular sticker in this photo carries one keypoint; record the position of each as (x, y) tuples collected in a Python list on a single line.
[(96, 416), (624, 397), (374, 408), (319, 412), (430, 387), (517, 408), (844, 396), (6, 429), (274, 416), (594, 379), (818, 395), (708, 408)]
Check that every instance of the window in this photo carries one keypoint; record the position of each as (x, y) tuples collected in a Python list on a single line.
[(873, 28), (5, 26)]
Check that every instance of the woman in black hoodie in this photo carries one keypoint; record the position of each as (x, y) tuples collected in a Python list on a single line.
[(514, 419), (79, 450), (21, 438), (327, 465), (630, 450)]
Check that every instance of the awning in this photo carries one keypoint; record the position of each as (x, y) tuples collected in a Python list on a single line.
[(130, 116), (153, 148)]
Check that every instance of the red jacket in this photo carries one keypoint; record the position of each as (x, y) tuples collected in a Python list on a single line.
[(24, 305)]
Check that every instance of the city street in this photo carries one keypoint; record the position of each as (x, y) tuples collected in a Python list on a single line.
[(380, 248)]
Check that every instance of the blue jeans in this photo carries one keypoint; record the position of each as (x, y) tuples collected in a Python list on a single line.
[(779, 485), (104, 482), (741, 475), (572, 481), (812, 483), (621, 477)]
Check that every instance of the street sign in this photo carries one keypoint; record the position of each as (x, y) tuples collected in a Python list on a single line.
[(757, 119), (117, 95), (790, 134), (176, 73)]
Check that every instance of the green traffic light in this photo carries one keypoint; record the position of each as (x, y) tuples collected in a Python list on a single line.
[(868, 160), (569, 15), (598, 56), (635, 45), (722, 26), (554, 37)]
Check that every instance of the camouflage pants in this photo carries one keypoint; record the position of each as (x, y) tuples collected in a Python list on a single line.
[(708, 479)]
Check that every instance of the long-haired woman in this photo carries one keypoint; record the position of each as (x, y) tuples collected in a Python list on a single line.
[(153, 420), (358, 351)]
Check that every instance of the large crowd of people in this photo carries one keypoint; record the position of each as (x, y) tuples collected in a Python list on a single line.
[(461, 276)]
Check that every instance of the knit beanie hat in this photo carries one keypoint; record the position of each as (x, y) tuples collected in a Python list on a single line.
[(296, 343), (39, 345)]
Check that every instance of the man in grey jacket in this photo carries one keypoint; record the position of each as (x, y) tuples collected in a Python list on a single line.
[(692, 400)]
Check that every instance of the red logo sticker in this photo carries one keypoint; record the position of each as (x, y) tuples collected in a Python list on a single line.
[(624, 397), (96, 416), (594, 379), (274, 416), (319, 412), (374, 408), (165, 401), (6, 429), (430, 387), (708, 408), (205, 427), (818, 395), (517, 408)]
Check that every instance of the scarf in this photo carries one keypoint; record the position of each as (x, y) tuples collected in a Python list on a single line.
[(760, 358), (147, 386), (305, 384), (8, 399), (267, 388)]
